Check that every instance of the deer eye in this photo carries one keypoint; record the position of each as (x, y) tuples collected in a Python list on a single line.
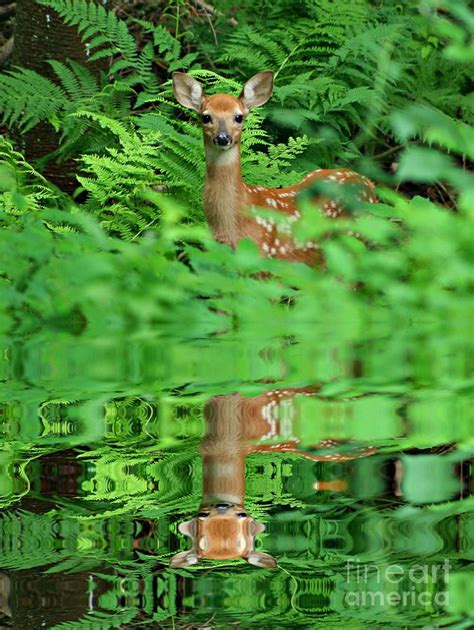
[(241, 514), (203, 514), (206, 119), (238, 118)]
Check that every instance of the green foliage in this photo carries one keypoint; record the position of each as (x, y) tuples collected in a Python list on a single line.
[(107, 36), (22, 188), (421, 257), (27, 98), (120, 317), (345, 66)]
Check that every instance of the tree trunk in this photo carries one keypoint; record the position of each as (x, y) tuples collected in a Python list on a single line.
[(41, 35)]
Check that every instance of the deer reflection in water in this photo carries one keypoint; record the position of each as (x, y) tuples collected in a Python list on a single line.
[(223, 529)]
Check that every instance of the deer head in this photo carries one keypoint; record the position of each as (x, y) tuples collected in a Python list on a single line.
[(222, 114), (222, 532)]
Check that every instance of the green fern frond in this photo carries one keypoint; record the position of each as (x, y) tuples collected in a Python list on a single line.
[(27, 98), (101, 29), (22, 188), (106, 35), (76, 80)]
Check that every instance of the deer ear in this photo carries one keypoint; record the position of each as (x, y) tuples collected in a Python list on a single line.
[(257, 528), (257, 90), (184, 559), (188, 91), (260, 559), (187, 528)]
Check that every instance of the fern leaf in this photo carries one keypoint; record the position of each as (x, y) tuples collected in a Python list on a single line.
[(95, 23), (27, 98)]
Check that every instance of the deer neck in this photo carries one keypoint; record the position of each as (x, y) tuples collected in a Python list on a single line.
[(224, 193), (223, 479), (223, 452)]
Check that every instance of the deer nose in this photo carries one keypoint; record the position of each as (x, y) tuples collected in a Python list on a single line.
[(222, 139), (222, 506)]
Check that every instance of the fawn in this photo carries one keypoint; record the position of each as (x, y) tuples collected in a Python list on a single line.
[(227, 197), (222, 528)]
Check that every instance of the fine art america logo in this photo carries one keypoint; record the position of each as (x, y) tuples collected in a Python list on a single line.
[(397, 585)]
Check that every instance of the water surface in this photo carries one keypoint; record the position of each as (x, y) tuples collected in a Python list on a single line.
[(363, 480)]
